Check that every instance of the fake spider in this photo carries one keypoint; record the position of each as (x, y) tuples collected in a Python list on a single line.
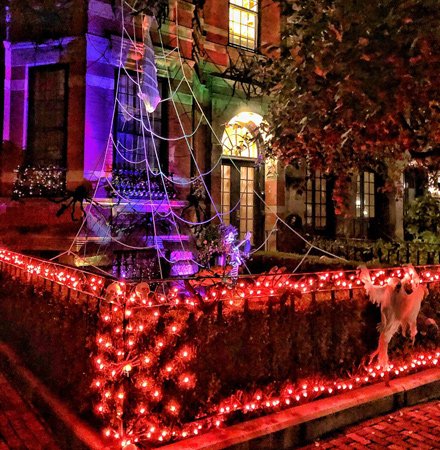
[(80, 195)]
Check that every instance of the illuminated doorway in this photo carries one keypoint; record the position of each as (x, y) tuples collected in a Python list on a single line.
[(240, 174)]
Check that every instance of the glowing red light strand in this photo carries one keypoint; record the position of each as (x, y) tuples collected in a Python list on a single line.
[(130, 314)]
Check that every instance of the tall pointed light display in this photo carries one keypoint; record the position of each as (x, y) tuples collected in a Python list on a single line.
[(149, 91)]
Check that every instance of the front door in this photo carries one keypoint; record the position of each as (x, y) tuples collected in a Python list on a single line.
[(237, 196)]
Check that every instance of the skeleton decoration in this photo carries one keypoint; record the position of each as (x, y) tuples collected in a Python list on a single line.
[(235, 255), (148, 90), (399, 301)]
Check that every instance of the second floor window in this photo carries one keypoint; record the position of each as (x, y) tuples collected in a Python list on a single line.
[(135, 145), (47, 120), (365, 195), (243, 23)]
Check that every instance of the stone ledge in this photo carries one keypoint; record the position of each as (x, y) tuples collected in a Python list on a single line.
[(302, 424), (70, 431)]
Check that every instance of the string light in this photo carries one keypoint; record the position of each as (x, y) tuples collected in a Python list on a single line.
[(33, 181), (119, 341), (122, 330), (175, 369)]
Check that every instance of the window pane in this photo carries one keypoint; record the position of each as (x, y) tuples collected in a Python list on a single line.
[(316, 201), (135, 146), (365, 195), (47, 116), (225, 192), (247, 4), (243, 23), (246, 200), (237, 141)]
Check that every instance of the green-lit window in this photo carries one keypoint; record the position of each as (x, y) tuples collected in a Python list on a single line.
[(243, 23)]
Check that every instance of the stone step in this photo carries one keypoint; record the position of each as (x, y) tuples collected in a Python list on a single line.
[(182, 263)]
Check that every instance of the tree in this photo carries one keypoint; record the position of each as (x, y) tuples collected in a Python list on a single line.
[(356, 85)]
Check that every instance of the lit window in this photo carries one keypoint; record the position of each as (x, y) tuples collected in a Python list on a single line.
[(226, 193), (316, 201), (365, 195), (239, 138), (238, 173), (243, 18), (247, 175), (238, 142)]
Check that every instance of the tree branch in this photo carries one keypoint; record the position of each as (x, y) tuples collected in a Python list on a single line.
[(433, 153)]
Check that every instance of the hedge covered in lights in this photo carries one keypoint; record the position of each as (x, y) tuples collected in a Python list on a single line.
[(54, 338), (175, 359)]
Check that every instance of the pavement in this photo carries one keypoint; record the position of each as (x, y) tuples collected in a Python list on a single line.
[(69, 431), (415, 427), (406, 423), (21, 426), (296, 426)]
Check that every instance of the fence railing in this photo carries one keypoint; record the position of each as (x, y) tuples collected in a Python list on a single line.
[(214, 287), (396, 253), (166, 349), (51, 275)]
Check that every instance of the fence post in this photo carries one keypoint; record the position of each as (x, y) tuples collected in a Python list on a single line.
[(428, 257), (270, 333), (219, 311), (313, 325), (246, 307), (294, 345), (334, 331)]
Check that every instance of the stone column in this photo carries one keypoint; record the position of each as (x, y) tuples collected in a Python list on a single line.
[(274, 198), (396, 213)]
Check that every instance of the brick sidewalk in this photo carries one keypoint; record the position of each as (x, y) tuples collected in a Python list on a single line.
[(21, 428), (417, 427)]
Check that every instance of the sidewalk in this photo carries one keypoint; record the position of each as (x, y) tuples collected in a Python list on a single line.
[(416, 427), (296, 426), (21, 427)]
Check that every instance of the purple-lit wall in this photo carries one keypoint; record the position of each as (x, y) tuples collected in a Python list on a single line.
[(99, 106), (19, 58), (93, 54)]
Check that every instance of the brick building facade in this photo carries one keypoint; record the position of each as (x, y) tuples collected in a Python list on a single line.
[(61, 80)]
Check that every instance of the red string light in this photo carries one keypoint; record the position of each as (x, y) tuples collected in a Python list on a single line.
[(127, 380)]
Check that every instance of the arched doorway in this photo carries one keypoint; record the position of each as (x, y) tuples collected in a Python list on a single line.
[(240, 174)]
